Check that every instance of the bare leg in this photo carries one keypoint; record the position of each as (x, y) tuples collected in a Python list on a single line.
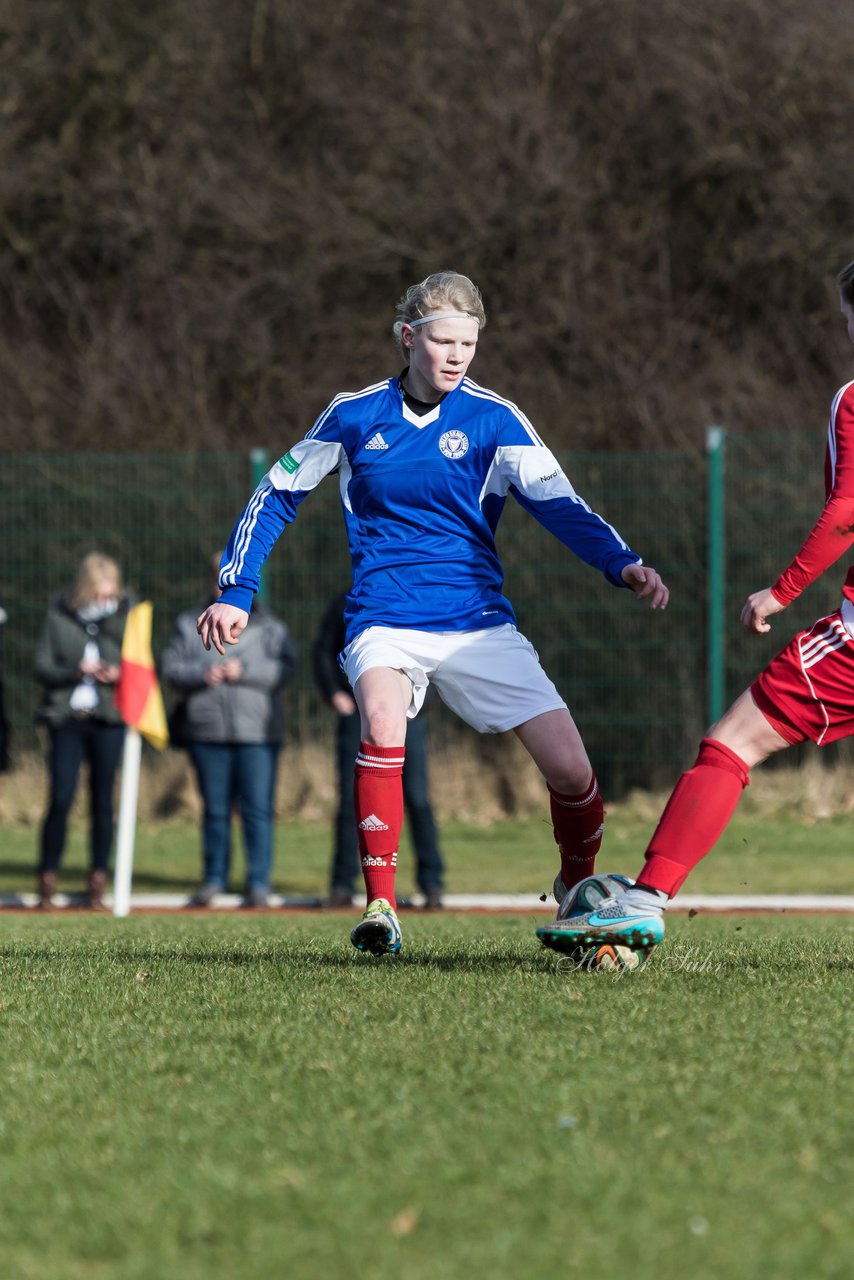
[(744, 729), (575, 802), (554, 744), (382, 696)]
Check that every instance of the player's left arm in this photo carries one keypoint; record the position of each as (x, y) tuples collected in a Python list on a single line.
[(647, 584), (538, 483)]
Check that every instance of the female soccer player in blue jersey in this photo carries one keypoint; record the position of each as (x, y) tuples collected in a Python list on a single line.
[(425, 462)]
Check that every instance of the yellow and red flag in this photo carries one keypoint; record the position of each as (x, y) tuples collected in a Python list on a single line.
[(138, 695)]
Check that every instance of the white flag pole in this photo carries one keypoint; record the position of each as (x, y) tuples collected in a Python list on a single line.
[(131, 762)]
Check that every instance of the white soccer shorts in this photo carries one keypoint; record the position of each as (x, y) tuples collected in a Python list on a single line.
[(492, 678)]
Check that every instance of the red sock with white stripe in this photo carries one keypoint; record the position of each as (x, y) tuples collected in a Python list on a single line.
[(695, 817), (578, 822), (378, 794)]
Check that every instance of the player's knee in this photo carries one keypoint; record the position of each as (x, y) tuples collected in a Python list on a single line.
[(384, 729), (574, 777)]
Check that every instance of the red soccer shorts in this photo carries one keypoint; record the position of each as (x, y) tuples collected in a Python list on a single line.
[(807, 691)]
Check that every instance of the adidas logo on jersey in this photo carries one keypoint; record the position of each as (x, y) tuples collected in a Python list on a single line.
[(376, 442), (372, 823)]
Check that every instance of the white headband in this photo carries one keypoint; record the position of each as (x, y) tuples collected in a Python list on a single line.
[(442, 315)]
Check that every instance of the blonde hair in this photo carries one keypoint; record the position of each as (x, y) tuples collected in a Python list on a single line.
[(442, 291), (93, 569)]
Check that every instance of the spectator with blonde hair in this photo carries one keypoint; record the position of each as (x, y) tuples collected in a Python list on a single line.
[(77, 661)]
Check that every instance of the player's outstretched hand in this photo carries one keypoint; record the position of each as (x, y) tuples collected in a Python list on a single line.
[(647, 584), (221, 624), (757, 608)]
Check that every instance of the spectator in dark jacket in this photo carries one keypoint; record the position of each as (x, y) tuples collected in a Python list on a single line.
[(335, 688), (77, 662), (231, 721)]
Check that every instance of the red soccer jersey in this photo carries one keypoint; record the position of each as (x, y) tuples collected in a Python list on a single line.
[(833, 533)]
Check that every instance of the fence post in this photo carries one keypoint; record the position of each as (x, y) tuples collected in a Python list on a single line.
[(716, 571), (259, 465)]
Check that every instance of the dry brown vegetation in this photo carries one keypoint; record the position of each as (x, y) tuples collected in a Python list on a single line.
[(808, 794), (306, 787), (209, 209)]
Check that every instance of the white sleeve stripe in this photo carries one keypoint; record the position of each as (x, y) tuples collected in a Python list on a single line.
[(831, 430), (243, 534), (341, 398), (840, 393), (481, 393)]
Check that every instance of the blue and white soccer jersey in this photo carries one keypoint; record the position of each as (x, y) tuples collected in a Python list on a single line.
[(422, 496)]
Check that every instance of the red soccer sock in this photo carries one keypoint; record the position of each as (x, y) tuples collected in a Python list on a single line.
[(578, 822), (378, 793), (695, 817)]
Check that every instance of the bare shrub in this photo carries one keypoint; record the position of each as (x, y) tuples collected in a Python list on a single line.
[(208, 210)]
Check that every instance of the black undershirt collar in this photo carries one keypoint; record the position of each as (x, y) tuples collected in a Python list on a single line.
[(419, 407)]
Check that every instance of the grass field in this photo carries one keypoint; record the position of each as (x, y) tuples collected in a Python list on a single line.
[(242, 1097), (239, 1097)]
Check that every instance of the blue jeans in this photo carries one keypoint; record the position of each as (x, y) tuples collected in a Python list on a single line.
[(242, 774), (429, 868)]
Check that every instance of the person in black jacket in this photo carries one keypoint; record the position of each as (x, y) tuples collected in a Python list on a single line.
[(335, 688), (78, 656)]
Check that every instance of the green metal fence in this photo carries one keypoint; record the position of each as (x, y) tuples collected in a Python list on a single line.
[(641, 686)]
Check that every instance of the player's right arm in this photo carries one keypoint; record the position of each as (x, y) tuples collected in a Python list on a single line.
[(221, 624), (272, 506), (758, 608)]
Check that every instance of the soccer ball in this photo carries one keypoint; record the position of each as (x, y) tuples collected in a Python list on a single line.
[(600, 957), (591, 892), (607, 957)]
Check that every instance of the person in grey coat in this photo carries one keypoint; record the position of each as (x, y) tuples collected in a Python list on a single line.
[(231, 721)]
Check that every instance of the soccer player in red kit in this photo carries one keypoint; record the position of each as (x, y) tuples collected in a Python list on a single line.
[(805, 693)]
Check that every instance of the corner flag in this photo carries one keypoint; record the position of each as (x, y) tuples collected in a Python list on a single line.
[(138, 695), (140, 703)]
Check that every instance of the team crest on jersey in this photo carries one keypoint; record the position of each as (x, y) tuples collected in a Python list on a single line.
[(454, 444)]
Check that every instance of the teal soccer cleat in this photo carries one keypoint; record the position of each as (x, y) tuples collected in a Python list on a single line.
[(378, 931), (611, 921)]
